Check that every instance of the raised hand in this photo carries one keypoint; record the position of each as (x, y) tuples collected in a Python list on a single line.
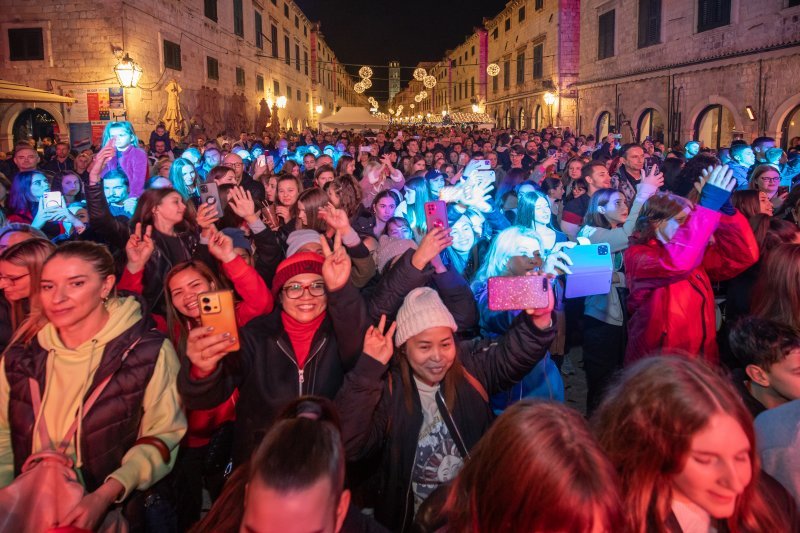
[(241, 202), (433, 243), (654, 177), (476, 194), (719, 176), (283, 213), (335, 218), (557, 260), (206, 216), (337, 265), (542, 317), (139, 248), (221, 247), (99, 161), (379, 345), (205, 349)]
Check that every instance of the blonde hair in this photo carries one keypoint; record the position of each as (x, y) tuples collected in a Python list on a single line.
[(30, 254)]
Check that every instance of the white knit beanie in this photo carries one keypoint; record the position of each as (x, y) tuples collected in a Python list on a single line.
[(422, 309)]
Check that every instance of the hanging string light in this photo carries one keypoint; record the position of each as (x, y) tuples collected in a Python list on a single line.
[(417, 98), (367, 83), (365, 72), (493, 69), (420, 73), (423, 94), (429, 82), (359, 88)]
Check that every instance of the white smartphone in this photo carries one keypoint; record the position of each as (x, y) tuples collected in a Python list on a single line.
[(52, 200)]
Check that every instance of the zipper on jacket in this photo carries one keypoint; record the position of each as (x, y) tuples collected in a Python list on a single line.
[(301, 371)]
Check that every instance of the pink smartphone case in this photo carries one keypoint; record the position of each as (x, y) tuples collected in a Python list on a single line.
[(517, 293)]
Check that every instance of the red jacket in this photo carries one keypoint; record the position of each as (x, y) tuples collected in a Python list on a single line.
[(671, 302), (256, 300)]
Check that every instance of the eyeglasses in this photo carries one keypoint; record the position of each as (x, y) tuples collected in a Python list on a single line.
[(12, 280), (296, 290), (766, 179), (234, 165)]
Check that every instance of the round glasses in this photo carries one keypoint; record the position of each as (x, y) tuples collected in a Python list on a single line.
[(294, 291)]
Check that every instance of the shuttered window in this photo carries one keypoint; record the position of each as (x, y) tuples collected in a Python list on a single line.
[(605, 35), (538, 61), (649, 22), (713, 14)]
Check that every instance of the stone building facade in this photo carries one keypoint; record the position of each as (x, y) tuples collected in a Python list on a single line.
[(536, 45), (226, 56), (710, 70)]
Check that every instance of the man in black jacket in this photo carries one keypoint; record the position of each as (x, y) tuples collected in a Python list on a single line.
[(256, 188)]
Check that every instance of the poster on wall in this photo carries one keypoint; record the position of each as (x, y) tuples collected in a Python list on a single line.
[(93, 108)]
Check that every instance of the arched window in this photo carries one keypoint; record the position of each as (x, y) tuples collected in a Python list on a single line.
[(651, 125), (522, 118), (604, 126), (538, 118), (507, 122), (714, 127), (790, 130)]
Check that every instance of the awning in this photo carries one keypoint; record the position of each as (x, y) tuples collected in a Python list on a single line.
[(14, 92)]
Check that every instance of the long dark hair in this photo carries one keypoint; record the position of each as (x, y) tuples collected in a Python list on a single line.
[(593, 215), (152, 198), (20, 200)]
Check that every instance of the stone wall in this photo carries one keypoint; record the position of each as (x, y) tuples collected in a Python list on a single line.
[(81, 35), (750, 62)]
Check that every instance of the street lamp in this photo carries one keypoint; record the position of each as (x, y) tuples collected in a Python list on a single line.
[(550, 99), (281, 102), (318, 109), (128, 72)]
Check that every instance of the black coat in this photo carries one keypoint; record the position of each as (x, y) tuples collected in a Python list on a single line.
[(266, 373), (375, 419)]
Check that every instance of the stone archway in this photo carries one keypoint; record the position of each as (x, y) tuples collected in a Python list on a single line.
[(688, 127), (779, 117), (10, 112)]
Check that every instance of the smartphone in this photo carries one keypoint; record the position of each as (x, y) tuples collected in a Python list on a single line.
[(592, 269), (364, 148), (551, 152), (52, 200), (616, 135), (209, 194), (436, 215), (217, 311), (514, 293), (261, 160)]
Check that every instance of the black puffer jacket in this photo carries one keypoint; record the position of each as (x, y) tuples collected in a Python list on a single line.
[(266, 373), (375, 419)]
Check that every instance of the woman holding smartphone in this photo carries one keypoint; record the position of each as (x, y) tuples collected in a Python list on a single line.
[(767, 179), (417, 397), (129, 158), (183, 284), (608, 220)]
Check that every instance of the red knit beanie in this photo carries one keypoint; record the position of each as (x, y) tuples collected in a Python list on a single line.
[(299, 263)]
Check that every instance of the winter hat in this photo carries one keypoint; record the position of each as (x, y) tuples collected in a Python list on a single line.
[(299, 238), (299, 263), (390, 247), (239, 239), (422, 309)]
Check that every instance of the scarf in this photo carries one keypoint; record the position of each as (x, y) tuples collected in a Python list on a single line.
[(300, 335)]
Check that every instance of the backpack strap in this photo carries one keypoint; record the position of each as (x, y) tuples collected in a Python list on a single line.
[(90, 401), (477, 385), (36, 401)]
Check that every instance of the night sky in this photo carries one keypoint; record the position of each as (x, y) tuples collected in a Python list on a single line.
[(377, 31)]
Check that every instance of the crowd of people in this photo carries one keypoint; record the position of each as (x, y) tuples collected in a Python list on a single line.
[(371, 382)]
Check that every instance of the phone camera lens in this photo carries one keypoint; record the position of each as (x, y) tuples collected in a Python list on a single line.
[(206, 300), (206, 308), (602, 250)]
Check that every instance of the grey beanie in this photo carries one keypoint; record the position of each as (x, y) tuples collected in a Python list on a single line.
[(390, 247), (299, 238), (422, 309)]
